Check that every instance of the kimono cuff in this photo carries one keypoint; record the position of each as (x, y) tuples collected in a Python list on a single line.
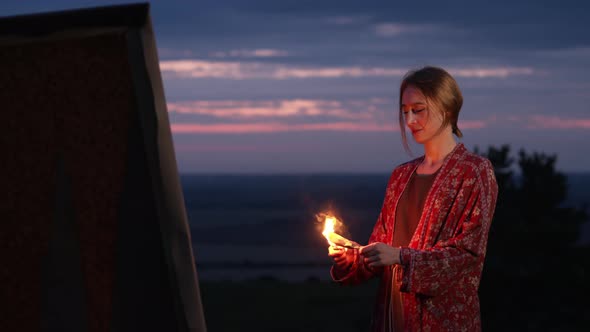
[(407, 264), (338, 277), (357, 273)]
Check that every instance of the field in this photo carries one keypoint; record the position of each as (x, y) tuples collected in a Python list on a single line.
[(534, 303)]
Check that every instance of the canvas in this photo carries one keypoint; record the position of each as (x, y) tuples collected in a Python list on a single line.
[(94, 229)]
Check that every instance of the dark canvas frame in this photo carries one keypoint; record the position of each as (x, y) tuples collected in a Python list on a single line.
[(152, 250)]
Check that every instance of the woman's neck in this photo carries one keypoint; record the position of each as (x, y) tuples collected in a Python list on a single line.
[(436, 149)]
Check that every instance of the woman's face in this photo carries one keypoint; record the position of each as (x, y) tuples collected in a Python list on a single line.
[(423, 119)]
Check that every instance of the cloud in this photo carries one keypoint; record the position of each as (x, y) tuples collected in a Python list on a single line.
[(396, 29), (276, 127), (555, 122), (497, 72), (170, 52), (194, 147), (237, 109), (257, 53), (234, 70), (337, 72), (570, 51), (292, 115), (209, 69), (347, 20), (472, 124)]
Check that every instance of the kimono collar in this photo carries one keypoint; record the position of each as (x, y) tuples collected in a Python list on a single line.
[(444, 171), (458, 150)]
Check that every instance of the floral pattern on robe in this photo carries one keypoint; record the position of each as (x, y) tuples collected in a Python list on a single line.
[(442, 265)]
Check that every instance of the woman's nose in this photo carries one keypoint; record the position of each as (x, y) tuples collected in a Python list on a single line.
[(410, 118)]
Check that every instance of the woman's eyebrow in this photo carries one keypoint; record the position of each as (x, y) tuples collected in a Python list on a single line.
[(418, 103)]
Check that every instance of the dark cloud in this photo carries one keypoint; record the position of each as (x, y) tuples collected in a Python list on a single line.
[(344, 31), (461, 11)]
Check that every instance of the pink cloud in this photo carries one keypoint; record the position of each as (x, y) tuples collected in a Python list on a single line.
[(257, 53), (396, 29), (212, 148), (170, 52), (210, 69), (235, 109), (347, 20), (554, 122), (234, 70), (366, 115), (472, 124), (282, 73), (498, 72), (277, 108), (275, 127)]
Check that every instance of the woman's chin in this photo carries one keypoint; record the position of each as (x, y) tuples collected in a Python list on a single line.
[(418, 137)]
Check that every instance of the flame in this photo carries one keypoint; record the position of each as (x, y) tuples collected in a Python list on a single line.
[(329, 224)]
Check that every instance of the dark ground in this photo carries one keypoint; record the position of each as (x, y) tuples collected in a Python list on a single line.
[(527, 303)]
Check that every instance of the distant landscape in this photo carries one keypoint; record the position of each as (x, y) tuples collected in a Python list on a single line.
[(256, 242), (252, 226)]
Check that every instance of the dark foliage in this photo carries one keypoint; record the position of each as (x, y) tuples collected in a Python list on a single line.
[(534, 275)]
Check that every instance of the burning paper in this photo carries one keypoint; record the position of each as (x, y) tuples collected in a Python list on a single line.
[(335, 239)]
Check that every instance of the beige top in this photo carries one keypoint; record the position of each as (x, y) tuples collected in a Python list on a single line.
[(407, 216), (409, 207)]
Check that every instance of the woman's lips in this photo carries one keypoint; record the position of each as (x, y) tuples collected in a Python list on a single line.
[(415, 131)]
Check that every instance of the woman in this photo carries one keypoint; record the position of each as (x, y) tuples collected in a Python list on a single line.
[(429, 242)]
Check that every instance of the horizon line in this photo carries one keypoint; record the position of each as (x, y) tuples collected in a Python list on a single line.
[(324, 173)]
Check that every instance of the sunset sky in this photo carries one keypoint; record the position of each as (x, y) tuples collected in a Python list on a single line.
[(281, 86)]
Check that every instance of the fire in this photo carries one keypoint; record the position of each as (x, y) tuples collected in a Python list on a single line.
[(334, 239), (329, 225)]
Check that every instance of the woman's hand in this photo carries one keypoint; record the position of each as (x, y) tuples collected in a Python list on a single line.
[(379, 254), (343, 257)]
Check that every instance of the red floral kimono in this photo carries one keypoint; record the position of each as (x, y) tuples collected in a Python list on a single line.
[(441, 267)]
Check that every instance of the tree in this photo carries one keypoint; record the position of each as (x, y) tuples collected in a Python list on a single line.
[(531, 261), (531, 225)]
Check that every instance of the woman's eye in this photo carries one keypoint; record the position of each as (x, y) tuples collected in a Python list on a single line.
[(418, 111)]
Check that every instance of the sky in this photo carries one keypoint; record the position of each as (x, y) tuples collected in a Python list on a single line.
[(268, 86)]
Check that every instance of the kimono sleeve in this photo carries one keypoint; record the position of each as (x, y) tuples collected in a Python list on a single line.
[(432, 271), (359, 271)]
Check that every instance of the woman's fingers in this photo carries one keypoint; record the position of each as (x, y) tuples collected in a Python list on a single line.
[(376, 264), (338, 255), (371, 249), (371, 259), (335, 254), (372, 253), (374, 260), (336, 251), (367, 249), (342, 261), (342, 257)]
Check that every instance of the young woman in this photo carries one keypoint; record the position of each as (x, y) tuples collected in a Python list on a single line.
[(429, 242)]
